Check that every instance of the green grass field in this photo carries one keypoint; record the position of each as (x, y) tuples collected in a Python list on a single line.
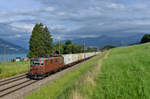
[(125, 74), (8, 69), (56, 88)]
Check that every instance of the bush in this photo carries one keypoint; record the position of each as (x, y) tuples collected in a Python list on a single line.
[(146, 38)]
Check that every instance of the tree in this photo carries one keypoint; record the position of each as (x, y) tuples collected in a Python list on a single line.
[(92, 49), (68, 47), (59, 47), (40, 41), (146, 38), (68, 42), (77, 48), (35, 43), (47, 40)]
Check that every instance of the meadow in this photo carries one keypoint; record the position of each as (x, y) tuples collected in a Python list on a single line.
[(124, 74), (8, 69), (60, 86)]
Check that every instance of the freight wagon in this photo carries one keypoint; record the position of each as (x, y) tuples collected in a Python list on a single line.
[(41, 67)]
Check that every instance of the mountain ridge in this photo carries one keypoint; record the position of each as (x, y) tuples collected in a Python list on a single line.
[(10, 48), (103, 40)]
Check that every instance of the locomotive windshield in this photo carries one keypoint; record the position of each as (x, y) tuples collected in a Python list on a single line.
[(37, 63)]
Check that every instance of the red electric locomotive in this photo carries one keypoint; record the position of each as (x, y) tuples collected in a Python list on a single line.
[(41, 67)]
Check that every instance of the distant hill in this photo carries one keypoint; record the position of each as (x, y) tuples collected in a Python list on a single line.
[(9, 48), (103, 40)]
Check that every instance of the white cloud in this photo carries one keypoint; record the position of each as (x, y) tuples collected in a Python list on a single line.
[(49, 9), (57, 27), (61, 13), (21, 27), (28, 27), (116, 6), (15, 36)]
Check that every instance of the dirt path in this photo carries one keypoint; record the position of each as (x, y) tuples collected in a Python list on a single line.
[(88, 81), (100, 61)]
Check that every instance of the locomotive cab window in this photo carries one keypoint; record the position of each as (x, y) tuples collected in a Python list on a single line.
[(35, 63), (42, 62)]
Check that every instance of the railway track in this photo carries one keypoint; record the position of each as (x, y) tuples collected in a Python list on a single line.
[(9, 85), (12, 78), (15, 87), (4, 82)]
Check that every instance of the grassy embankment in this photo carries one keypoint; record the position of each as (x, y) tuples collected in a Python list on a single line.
[(124, 75), (8, 69), (66, 82)]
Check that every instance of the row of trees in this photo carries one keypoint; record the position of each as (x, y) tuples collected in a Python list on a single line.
[(70, 48), (41, 44)]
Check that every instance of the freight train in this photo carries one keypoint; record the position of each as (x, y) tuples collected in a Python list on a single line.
[(44, 66)]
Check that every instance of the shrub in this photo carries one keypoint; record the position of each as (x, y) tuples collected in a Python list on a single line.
[(146, 38)]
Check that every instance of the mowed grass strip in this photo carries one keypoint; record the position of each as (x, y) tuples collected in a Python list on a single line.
[(8, 69), (125, 74), (65, 82)]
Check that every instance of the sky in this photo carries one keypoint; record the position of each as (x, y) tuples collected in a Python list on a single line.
[(71, 19)]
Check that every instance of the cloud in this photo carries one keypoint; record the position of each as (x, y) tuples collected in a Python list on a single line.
[(49, 9), (70, 19), (14, 36), (21, 27)]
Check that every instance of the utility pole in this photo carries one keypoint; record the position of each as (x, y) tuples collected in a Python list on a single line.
[(59, 46), (26, 38), (4, 53), (84, 47), (97, 48)]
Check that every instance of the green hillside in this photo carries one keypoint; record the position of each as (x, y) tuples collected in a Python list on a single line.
[(125, 74)]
